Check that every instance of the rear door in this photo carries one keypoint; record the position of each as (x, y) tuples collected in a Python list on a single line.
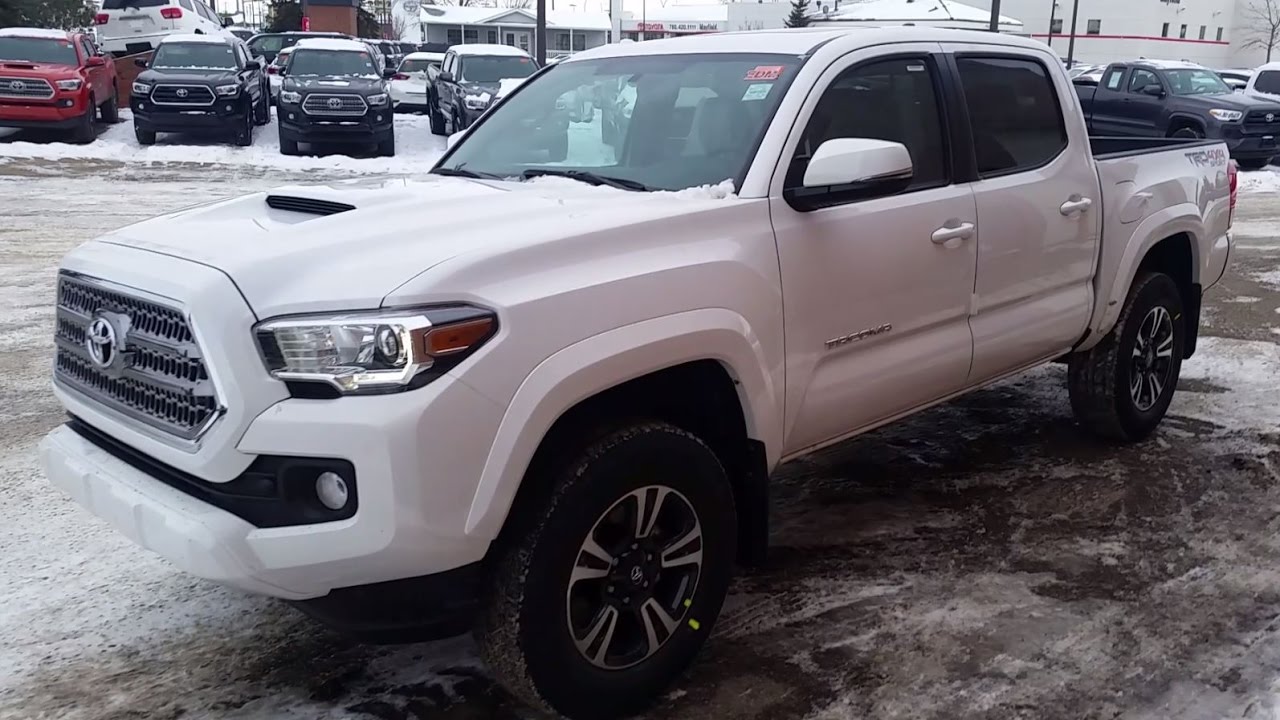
[(1038, 208), (877, 283)]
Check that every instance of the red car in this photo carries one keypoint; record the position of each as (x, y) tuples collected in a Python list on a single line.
[(51, 79)]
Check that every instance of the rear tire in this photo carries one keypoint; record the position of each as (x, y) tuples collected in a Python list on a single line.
[(145, 137), (1121, 388), (110, 110), (572, 622)]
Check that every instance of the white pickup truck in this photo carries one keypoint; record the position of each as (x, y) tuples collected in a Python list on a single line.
[(540, 396)]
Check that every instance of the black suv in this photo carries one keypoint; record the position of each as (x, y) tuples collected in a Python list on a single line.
[(333, 92), (200, 84)]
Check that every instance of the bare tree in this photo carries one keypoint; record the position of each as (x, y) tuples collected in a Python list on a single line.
[(400, 25), (517, 4), (1261, 20)]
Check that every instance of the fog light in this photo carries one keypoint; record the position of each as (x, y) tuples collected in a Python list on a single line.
[(331, 489), (230, 108), (292, 116), (378, 118)]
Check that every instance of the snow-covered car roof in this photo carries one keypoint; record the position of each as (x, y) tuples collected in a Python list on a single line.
[(1170, 64), (332, 44), (487, 49), (34, 33), (192, 38), (1269, 67), (428, 56)]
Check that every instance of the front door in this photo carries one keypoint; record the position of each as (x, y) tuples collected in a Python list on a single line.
[(1038, 210), (1144, 111), (876, 284), (518, 38)]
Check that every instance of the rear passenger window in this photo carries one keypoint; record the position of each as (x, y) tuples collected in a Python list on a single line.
[(1114, 78), (893, 100), (1014, 112), (1268, 82)]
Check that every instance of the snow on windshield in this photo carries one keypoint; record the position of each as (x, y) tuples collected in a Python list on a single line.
[(195, 56), (38, 50), (310, 62)]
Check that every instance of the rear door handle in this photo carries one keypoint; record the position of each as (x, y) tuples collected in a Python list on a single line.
[(1076, 205), (944, 235)]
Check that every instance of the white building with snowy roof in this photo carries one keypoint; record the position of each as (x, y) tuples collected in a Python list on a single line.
[(926, 13)]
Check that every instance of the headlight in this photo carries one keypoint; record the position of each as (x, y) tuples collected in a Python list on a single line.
[(477, 102), (228, 90), (379, 99), (290, 96), (1226, 115), (70, 84), (372, 353), (141, 89)]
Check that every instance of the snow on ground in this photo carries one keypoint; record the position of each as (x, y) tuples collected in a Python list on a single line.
[(1266, 180), (416, 149)]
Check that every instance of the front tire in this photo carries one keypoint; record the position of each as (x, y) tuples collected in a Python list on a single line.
[(1188, 133), (437, 119), (1254, 164), (605, 588), (1121, 388), (244, 133), (84, 133), (145, 137), (262, 110), (387, 148), (288, 146)]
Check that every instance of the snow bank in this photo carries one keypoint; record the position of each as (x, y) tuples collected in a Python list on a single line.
[(1267, 180), (416, 150)]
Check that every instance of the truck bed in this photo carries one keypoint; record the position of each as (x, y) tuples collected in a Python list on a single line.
[(1110, 147)]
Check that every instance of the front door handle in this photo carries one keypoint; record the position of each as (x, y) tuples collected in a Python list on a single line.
[(946, 235), (1075, 205)]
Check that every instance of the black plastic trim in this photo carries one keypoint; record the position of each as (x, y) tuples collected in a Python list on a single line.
[(274, 491), (311, 206)]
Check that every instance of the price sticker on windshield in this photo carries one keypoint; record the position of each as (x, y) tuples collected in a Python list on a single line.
[(764, 72)]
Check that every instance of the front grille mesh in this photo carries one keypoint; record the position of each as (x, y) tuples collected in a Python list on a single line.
[(336, 104), (158, 374), (182, 95), (25, 88)]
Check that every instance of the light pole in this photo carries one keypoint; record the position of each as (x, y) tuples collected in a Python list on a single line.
[(1053, 15), (1071, 45), (541, 30), (995, 15)]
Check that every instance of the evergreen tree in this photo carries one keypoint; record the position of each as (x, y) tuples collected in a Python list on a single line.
[(367, 26), (284, 15), (799, 16), (59, 14)]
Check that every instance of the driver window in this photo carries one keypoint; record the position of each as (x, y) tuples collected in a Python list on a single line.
[(894, 100), (1141, 79)]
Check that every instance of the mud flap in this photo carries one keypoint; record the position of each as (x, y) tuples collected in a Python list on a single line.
[(1191, 310), (753, 506)]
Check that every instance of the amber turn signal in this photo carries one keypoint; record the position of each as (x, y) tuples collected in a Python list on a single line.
[(450, 339)]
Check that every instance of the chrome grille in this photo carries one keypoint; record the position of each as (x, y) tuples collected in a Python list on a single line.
[(25, 88), (195, 95), (155, 372), (338, 105)]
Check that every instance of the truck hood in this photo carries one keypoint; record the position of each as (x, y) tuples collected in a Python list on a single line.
[(192, 76), (384, 232), (48, 71), (1232, 101), (351, 83)]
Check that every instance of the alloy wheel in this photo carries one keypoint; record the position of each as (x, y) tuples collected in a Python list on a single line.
[(634, 576), (1152, 359)]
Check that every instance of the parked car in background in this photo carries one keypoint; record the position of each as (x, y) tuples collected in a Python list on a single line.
[(266, 45), (275, 71), (391, 52), (1265, 80), (1081, 69), (202, 84), (243, 33), (129, 27), (409, 84), (468, 81), (384, 401), (55, 80), (1154, 98), (1237, 79), (332, 93)]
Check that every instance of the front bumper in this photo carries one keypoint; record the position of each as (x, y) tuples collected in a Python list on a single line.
[(224, 115), (1250, 146), (374, 126), (61, 113)]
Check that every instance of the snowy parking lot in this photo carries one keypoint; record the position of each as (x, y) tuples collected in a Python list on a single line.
[(984, 559)]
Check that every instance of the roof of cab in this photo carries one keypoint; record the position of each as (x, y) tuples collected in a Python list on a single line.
[(332, 44), (1167, 64), (487, 49), (800, 41), (34, 33), (430, 56), (205, 39)]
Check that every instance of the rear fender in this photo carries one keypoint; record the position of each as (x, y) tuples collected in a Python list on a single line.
[(599, 363)]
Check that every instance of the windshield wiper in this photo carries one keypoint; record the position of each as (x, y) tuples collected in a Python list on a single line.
[(459, 172), (588, 177)]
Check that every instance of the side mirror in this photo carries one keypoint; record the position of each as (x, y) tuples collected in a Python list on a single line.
[(1153, 90), (452, 140), (846, 161), (95, 61), (445, 76), (227, 21), (253, 65), (140, 62)]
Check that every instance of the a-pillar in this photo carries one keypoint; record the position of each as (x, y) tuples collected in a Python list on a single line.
[(332, 15)]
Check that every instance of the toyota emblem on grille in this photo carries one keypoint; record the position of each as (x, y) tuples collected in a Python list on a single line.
[(17, 85), (100, 341), (183, 92), (335, 103), (1271, 117)]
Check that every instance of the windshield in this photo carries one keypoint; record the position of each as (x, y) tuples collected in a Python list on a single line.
[(414, 65), (38, 50), (1196, 82), (195, 56), (665, 122), (492, 68), (330, 62)]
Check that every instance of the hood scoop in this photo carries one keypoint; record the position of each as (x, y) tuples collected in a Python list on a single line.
[(310, 206), (20, 65)]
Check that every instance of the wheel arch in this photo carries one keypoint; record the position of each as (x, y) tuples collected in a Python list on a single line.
[(1178, 121), (701, 370)]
